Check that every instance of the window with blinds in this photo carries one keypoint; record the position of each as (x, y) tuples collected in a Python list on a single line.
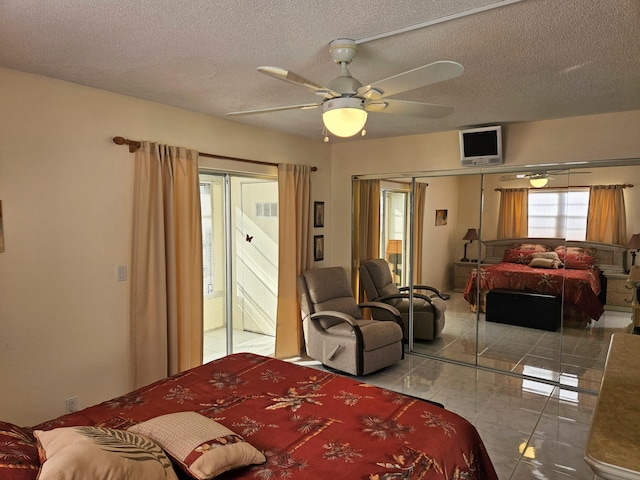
[(558, 213)]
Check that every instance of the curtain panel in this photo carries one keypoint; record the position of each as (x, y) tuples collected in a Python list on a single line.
[(607, 216), (513, 217), (418, 230), (294, 254), (366, 231), (166, 264)]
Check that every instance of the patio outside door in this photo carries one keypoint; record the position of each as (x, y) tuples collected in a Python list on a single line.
[(240, 263)]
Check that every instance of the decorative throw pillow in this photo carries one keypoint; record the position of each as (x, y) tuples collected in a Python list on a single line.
[(531, 247), (71, 453), (579, 262), (18, 453), (542, 262), (517, 256), (551, 255), (201, 446), (562, 250)]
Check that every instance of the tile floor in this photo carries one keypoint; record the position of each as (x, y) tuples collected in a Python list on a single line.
[(532, 429)]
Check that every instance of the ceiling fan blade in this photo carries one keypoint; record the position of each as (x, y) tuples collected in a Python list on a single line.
[(291, 77), (304, 106), (403, 107), (418, 77)]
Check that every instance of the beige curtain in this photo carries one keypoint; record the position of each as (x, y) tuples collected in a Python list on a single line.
[(366, 227), (166, 263), (513, 217), (418, 230), (607, 216), (294, 202)]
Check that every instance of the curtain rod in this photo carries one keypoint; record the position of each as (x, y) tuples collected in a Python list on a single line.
[(626, 185), (135, 145)]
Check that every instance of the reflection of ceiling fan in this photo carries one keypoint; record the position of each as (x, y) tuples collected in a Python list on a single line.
[(346, 101), (538, 179)]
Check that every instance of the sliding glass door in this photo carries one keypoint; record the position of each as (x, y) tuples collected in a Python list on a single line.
[(240, 261)]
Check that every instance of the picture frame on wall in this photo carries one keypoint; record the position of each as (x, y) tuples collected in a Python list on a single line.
[(318, 248), (441, 217), (318, 214)]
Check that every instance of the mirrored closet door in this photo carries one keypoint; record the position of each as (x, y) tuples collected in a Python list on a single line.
[(474, 236)]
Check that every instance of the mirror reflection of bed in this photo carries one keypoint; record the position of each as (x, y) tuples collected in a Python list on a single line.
[(574, 353)]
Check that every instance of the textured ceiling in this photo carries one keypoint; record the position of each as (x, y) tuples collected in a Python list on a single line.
[(524, 60)]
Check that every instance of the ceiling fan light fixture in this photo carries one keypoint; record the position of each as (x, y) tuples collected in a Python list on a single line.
[(344, 117), (539, 181)]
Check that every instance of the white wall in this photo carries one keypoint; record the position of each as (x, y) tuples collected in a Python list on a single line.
[(66, 195)]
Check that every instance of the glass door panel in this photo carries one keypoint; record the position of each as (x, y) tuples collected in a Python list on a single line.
[(240, 259)]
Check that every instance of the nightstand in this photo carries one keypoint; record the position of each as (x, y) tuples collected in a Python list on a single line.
[(461, 271), (620, 293)]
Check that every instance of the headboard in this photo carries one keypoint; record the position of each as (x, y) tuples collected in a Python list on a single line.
[(610, 258)]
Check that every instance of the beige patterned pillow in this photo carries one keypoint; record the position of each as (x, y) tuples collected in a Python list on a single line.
[(542, 262), (71, 453), (550, 255), (201, 446)]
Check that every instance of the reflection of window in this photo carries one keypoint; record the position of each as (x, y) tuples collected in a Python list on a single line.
[(393, 227), (206, 212), (558, 213)]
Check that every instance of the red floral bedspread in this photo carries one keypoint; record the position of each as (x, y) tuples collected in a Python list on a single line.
[(577, 287), (311, 424)]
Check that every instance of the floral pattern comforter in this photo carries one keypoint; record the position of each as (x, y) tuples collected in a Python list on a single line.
[(577, 287), (311, 424)]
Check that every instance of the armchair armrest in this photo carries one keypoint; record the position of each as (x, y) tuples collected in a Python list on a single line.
[(381, 306), (443, 296), (333, 314), (406, 295)]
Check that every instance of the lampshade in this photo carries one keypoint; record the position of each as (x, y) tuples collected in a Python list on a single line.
[(471, 235), (634, 243), (634, 274), (344, 117), (538, 182)]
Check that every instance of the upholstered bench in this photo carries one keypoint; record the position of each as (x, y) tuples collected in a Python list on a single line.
[(526, 309)]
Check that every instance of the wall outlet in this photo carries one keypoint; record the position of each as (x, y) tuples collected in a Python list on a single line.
[(71, 404)]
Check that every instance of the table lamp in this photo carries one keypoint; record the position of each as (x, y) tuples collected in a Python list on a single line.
[(634, 244), (471, 235), (634, 278)]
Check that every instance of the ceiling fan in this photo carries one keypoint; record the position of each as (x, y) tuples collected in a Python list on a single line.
[(346, 102), (538, 179)]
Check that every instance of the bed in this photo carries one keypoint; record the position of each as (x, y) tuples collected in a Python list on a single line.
[(308, 424), (568, 272)]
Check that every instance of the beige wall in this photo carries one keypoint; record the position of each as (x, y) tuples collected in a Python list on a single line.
[(66, 196), (66, 193)]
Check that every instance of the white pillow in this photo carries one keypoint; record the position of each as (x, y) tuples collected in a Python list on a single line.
[(202, 447), (72, 453)]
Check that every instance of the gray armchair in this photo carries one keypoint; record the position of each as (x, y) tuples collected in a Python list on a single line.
[(428, 312), (335, 331)]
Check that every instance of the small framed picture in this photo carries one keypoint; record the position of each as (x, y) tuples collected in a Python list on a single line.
[(318, 214), (318, 248), (441, 217)]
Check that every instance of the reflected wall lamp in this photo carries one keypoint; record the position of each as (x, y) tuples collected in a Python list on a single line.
[(539, 180), (634, 246), (471, 235)]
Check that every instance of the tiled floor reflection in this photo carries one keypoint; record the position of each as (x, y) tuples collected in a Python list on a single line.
[(575, 354), (532, 430)]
